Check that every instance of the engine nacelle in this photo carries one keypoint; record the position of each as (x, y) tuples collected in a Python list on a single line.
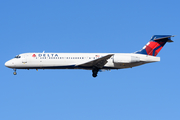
[(125, 59)]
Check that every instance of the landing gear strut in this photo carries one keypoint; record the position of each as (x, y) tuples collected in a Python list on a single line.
[(15, 73), (95, 71)]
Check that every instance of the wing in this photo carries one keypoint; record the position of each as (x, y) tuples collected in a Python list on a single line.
[(99, 63)]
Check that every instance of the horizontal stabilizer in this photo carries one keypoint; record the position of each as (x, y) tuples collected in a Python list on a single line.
[(168, 38)]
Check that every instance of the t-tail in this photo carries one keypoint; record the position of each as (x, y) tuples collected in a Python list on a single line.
[(154, 46)]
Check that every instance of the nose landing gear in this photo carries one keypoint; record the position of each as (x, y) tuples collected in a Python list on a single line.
[(14, 73)]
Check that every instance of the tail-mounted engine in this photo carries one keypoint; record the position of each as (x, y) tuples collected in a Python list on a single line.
[(125, 59)]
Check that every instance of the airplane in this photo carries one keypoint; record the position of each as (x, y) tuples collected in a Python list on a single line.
[(91, 61)]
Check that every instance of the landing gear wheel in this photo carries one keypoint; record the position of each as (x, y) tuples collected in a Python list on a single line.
[(95, 71), (94, 75), (15, 73)]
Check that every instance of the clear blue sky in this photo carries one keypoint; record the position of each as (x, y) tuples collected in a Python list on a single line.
[(148, 92)]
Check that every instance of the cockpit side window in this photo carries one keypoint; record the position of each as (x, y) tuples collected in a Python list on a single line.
[(17, 56)]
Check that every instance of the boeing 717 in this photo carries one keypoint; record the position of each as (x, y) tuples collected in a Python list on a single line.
[(91, 61)]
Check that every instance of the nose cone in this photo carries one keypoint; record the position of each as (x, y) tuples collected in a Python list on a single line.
[(9, 64)]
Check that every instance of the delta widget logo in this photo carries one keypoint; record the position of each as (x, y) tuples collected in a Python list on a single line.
[(34, 55)]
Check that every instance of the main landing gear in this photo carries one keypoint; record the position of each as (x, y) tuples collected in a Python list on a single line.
[(95, 71), (15, 73)]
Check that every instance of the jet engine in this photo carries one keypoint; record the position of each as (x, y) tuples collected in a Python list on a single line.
[(125, 59)]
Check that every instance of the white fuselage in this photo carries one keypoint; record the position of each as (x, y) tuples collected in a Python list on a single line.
[(74, 60)]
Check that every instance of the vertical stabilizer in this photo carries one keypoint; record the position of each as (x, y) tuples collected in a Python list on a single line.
[(154, 46)]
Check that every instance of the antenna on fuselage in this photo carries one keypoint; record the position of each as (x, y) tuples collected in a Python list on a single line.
[(43, 51)]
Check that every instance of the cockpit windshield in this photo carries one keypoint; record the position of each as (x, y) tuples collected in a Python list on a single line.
[(17, 56)]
